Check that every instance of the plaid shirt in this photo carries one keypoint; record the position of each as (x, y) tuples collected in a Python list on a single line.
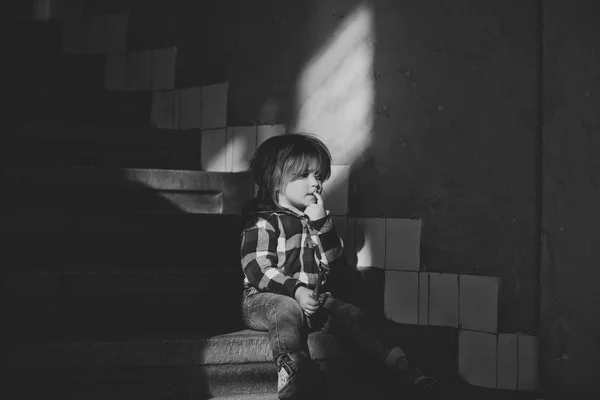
[(281, 251)]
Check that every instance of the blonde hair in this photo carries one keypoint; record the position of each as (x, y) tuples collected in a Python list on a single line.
[(282, 159)]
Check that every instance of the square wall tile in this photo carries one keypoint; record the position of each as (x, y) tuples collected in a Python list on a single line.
[(528, 362), (138, 71), (142, 68), (165, 110), (401, 297), (116, 33), (229, 148), (42, 10), (163, 68), (370, 242), (15, 283), (243, 147), (64, 9), (46, 284), (478, 302), (443, 299), (114, 71), (268, 131), (214, 106), (190, 108), (213, 150), (335, 190), (506, 375), (73, 36), (477, 358), (350, 244), (423, 298), (130, 81), (95, 34), (403, 250)]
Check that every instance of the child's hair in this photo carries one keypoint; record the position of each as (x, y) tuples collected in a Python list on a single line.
[(284, 158)]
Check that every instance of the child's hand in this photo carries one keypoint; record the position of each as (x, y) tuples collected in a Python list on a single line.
[(316, 211), (307, 303)]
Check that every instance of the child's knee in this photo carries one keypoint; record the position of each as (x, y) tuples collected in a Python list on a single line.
[(287, 310)]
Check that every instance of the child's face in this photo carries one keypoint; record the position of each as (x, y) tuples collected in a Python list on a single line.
[(298, 194)]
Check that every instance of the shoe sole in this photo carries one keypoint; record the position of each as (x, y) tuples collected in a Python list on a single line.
[(303, 383)]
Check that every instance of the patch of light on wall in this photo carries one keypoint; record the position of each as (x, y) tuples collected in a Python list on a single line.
[(335, 89), (42, 10)]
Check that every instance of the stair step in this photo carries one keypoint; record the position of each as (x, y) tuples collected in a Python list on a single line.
[(223, 382), (240, 381), (136, 200), (144, 190), (156, 179), (125, 224), (239, 347), (89, 252), (105, 288), (124, 139), (200, 382)]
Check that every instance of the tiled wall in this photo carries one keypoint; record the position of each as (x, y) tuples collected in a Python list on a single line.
[(200, 108), (469, 303), (412, 296)]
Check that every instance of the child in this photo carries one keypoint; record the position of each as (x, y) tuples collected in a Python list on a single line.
[(288, 239)]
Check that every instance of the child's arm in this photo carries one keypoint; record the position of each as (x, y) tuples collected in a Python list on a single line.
[(330, 244), (260, 260)]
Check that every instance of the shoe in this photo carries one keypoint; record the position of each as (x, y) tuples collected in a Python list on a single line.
[(414, 379), (296, 373)]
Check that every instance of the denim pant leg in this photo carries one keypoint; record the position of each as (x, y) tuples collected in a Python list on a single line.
[(354, 326), (279, 315)]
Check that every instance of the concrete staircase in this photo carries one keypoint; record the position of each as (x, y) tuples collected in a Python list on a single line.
[(125, 283)]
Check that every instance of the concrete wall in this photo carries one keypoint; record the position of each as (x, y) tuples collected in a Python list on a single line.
[(570, 303)]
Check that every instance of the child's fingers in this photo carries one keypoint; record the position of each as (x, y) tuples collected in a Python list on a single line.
[(319, 198), (311, 309), (312, 305)]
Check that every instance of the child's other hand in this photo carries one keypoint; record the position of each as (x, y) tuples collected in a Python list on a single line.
[(316, 211), (307, 303)]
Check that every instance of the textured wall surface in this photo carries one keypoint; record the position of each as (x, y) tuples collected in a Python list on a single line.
[(570, 305), (455, 130)]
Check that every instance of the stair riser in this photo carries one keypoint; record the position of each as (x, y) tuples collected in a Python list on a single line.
[(189, 383), (133, 190), (100, 287), (136, 203), (349, 381), (116, 254), (134, 224)]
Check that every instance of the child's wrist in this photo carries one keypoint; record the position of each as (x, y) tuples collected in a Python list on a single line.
[(298, 286)]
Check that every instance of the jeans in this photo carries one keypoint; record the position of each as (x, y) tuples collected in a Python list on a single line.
[(286, 323)]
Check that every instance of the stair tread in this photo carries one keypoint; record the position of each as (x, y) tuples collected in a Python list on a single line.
[(233, 347), (346, 381), (212, 381)]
